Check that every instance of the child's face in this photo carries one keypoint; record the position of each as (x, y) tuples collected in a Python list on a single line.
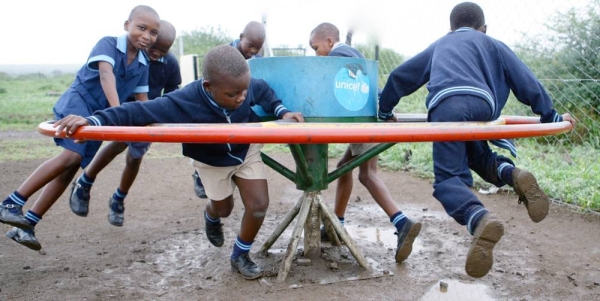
[(229, 92), (159, 49), (321, 46), (250, 45), (142, 30)]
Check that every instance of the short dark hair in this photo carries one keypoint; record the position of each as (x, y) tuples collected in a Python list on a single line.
[(466, 14), (142, 9), (223, 60), (326, 30)]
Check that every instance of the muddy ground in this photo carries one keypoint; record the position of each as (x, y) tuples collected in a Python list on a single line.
[(161, 253)]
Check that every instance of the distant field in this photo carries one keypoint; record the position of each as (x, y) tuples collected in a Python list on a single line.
[(47, 69)]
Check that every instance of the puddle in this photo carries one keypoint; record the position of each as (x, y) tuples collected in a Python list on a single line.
[(377, 235), (454, 290)]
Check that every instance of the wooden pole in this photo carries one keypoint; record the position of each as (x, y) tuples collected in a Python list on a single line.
[(287, 219), (362, 261), (296, 234)]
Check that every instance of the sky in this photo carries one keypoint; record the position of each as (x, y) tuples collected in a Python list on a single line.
[(64, 32)]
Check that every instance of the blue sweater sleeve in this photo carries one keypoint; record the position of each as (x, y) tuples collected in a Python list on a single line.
[(176, 107), (265, 97), (525, 86), (405, 80)]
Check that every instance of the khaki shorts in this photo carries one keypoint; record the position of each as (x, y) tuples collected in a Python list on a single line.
[(217, 180), (361, 148)]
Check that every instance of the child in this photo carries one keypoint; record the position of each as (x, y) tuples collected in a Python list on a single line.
[(249, 45), (164, 77), (224, 95), (469, 76), (251, 40), (116, 68), (325, 40)]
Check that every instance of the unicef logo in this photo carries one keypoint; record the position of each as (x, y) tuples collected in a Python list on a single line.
[(351, 87)]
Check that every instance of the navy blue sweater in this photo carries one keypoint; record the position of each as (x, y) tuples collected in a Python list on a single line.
[(469, 62), (192, 104), (345, 50)]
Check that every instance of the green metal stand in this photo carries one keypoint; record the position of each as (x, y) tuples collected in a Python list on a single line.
[(312, 177)]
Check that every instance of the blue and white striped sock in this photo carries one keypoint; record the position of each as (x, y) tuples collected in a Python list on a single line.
[(474, 219), (85, 181), (119, 195), (32, 218), (214, 221), (398, 219), (240, 247), (505, 173), (15, 198)]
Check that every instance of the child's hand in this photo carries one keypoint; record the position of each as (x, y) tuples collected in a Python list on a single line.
[(569, 118), (69, 124), (293, 115)]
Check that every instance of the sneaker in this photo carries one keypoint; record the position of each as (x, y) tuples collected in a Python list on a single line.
[(530, 193), (24, 237), (12, 214), (406, 237), (198, 187), (116, 211), (246, 267), (80, 199), (214, 233), (480, 258)]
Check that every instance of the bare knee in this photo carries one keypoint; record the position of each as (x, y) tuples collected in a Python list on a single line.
[(133, 162), (258, 208)]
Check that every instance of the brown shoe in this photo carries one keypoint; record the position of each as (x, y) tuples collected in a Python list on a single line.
[(480, 258), (530, 193)]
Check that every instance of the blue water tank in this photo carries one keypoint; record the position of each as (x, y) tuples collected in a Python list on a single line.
[(321, 87)]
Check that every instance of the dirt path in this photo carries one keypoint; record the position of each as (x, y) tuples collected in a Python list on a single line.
[(161, 252)]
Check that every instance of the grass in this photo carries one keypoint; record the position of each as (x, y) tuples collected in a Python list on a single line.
[(567, 172)]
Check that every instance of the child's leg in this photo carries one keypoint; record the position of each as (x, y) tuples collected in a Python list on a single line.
[(406, 229), (367, 175), (344, 187), (61, 165), (104, 156), (255, 197), (80, 194)]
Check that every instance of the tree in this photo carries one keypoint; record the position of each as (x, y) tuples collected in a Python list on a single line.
[(201, 41), (565, 58)]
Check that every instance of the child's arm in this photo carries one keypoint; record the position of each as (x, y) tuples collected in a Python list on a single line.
[(266, 98), (141, 96), (109, 83), (403, 81)]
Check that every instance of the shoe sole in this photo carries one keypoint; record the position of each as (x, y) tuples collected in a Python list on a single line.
[(406, 248), (24, 225), (36, 246), (78, 213), (529, 192), (234, 269), (480, 257)]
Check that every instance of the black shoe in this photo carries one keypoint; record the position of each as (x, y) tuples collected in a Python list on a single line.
[(214, 233), (24, 237), (406, 237), (480, 257), (80, 199), (116, 212), (246, 267), (198, 187), (530, 193), (12, 214)]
